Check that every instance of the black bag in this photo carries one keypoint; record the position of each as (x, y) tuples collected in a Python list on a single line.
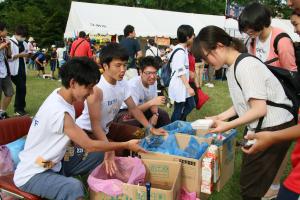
[(166, 71), (289, 81)]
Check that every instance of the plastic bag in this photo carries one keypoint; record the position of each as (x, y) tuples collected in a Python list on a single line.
[(15, 148), (6, 163), (152, 142), (194, 149), (179, 127), (185, 195), (130, 170)]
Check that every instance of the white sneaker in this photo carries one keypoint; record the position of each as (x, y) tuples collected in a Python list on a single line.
[(211, 85)]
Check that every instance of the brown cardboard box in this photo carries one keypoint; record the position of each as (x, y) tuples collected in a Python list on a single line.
[(191, 173), (164, 176), (227, 157)]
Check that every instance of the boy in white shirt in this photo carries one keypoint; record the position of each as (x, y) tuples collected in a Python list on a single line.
[(179, 89), (143, 91), (41, 170), (103, 105)]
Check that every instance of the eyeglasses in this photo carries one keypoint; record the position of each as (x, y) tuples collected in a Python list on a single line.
[(150, 73)]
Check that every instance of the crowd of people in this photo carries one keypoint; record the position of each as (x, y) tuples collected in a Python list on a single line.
[(125, 93)]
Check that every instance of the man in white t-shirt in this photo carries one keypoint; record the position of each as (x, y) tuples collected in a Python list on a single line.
[(103, 105), (41, 170), (143, 91), (153, 49)]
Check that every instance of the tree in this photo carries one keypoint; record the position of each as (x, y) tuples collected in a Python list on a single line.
[(46, 19)]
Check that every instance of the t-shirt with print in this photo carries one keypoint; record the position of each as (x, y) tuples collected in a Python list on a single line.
[(180, 66), (257, 82), (132, 46), (139, 93), (46, 139), (113, 97), (263, 48)]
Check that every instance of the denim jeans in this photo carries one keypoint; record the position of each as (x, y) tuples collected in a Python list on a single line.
[(182, 109)]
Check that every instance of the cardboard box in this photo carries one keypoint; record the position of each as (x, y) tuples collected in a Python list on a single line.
[(227, 157), (164, 176), (191, 168)]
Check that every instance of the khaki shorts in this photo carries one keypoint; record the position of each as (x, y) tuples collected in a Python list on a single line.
[(6, 86)]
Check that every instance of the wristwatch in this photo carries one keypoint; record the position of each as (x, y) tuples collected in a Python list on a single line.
[(148, 128)]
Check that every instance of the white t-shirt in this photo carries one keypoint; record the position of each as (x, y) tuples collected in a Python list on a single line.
[(153, 51), (263, 48), (180, 66), (139, 93), (45, 139), (60, 53), (258, 83), (113, 97)]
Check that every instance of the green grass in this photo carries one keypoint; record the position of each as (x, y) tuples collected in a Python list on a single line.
[(38, 89)]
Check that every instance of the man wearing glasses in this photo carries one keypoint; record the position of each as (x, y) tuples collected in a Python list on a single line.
[(143, 90)]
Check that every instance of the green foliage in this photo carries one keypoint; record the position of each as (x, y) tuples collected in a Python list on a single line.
[(46, 19)]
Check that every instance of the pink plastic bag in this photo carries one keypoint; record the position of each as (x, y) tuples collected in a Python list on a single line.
[(130, 170), (185, 195), (6, 163)]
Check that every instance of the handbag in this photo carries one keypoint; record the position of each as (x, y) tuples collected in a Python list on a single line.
[(202, 98)]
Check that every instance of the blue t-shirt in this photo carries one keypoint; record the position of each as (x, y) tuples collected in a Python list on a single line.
[(132, 46)]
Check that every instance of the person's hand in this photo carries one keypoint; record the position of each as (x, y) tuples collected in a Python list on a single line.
[(191, 91), (133, 145), (4, 45), (109, 161), (159, 100), (263, 141), (153, 120), (158, 131), (220, 126)]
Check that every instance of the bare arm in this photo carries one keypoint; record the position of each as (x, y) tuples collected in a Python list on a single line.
[(139, 54), (136, 112), (77, 135), (227, 114), (265, 139), (258, 109), (94, 107)]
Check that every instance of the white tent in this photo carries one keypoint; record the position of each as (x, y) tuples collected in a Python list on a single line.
[(109, 19)]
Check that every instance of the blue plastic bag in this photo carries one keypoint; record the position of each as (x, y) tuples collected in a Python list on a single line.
[(194, 149), (152, 142), (179, 127), (15, 148)]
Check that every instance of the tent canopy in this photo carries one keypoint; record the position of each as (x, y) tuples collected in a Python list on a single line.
[(110, 19)]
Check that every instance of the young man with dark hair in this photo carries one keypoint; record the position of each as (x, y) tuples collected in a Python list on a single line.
[(17, 64), (41, 170), (143, 90), (5, 78), (81, 47), (179, 89), (133, 49), (111, 91)]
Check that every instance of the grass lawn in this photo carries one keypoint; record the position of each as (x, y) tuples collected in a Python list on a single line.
[(38, 89)]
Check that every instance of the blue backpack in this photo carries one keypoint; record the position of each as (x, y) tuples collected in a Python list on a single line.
[(166, 71)]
